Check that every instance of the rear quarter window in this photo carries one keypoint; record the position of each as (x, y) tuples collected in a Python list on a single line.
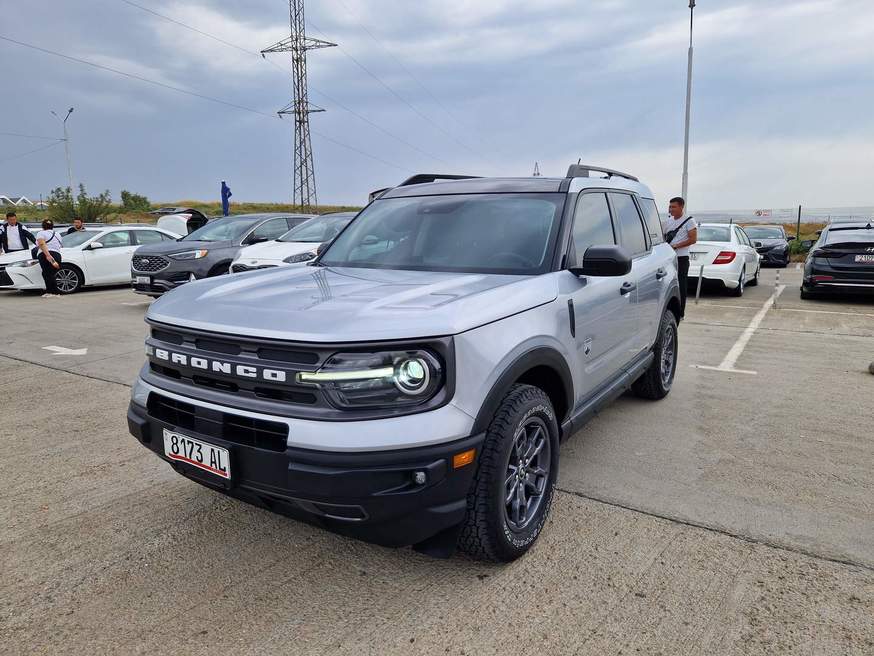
[(653, 220)]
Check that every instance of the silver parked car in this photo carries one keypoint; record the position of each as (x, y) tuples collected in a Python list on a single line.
[(412, 385)]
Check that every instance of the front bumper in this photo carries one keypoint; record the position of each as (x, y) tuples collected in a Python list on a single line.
[(774, 256), (25, 278), (372, 496)]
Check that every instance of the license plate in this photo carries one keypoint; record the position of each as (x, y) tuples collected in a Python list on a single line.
[(209, 458), (144, 280), (865, 259)]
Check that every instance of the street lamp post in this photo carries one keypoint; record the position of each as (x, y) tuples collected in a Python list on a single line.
[(67, 150), (688, 106)]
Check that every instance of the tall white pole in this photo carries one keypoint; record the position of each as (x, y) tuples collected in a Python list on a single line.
[(67, 152), (685, 192)]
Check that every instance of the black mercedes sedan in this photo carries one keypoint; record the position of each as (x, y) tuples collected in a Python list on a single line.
[(842, 261), (206, 252), (771, 243)]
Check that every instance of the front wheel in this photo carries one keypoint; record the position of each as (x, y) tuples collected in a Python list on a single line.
[(657, 380), (68, 279), (512, 491)]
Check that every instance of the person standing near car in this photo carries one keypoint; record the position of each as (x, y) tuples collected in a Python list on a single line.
[(15, 237), (78, 226), (681, 231), (48, 247)]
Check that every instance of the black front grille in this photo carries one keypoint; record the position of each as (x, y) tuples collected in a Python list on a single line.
[(149, 263), (242, 268), (258, 433)]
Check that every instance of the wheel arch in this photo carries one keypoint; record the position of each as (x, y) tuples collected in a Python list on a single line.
[(218, 269), (542, 367)]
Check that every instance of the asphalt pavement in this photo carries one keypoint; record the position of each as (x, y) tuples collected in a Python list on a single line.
[(734, 517)]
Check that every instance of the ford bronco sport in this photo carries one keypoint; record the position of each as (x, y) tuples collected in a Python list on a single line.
[(412, 386)]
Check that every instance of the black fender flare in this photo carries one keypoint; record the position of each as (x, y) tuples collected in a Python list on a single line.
[(541, 356)]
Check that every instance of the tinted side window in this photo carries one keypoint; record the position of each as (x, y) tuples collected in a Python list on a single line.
[(742, 237), (293, 222), (115, 239), (628, 224), (149, 236), (271, 229), (592, 224), (653, 220)]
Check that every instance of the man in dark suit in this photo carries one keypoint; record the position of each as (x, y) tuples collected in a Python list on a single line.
[(14, 236)]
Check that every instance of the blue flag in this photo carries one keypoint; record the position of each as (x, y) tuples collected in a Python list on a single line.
[(226, 199)]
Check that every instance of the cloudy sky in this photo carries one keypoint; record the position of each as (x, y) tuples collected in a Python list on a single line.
[(782, 97)]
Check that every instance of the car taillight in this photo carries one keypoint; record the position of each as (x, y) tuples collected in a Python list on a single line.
[(821, 278), (725, 257)]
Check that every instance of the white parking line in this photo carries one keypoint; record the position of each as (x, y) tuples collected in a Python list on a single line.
[(798, 266), (785, 309), (731, 358)]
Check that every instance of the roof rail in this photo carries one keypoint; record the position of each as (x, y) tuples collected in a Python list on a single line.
[(583, 170), (422, 178)]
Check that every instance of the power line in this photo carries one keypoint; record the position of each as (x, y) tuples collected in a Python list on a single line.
[(191, 93), (31, 152), (400, 97), (28, 136), (340, 105)]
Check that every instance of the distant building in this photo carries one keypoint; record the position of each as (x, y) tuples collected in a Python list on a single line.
[(18, 201)]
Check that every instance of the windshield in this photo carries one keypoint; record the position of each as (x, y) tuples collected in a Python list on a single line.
[(714, 233), (764, 233), (317, 230), (77, 238), (481, 233), (227, 229), (850, 236)]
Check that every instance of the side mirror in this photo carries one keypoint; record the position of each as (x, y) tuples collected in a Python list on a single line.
[(256, 240), (790, 238), (757, 244), (603, 261), (322, 247), (94, 245), (807, 244), (370, 240)]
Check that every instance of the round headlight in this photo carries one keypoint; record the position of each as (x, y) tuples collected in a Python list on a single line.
[(412, 376)]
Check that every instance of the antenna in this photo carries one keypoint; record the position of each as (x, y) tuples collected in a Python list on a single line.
[(298, 43), (536, 169)]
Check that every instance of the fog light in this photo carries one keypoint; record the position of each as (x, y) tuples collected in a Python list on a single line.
[(420, 478)]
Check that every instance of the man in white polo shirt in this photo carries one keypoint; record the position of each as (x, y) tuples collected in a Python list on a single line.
[(686, 235)]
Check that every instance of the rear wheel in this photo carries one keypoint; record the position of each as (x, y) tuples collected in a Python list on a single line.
[(806, 295), (656, 382), (68, 279), (755, 280), (739, 290), (512, 491)]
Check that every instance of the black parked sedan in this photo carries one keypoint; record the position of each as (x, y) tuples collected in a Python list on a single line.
[(771, 243), (842, 260), (206, 252)]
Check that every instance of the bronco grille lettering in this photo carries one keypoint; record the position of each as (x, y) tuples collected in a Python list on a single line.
[(221, 367)]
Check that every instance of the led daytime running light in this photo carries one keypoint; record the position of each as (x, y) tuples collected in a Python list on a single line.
[(333, 376)]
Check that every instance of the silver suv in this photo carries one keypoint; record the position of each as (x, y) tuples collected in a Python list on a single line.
[(412, 386)]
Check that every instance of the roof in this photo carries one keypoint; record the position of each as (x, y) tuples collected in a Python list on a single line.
[(851, 225), (478, 186)]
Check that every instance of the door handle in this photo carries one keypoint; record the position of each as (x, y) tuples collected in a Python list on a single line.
[(627, 288), (660, 274)]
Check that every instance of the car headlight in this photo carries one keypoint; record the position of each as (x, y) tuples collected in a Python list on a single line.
[(190, 255), (300, 257), (374, 380), (23, 263)]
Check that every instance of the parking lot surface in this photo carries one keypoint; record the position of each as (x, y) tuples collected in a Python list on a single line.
[(734, 517)]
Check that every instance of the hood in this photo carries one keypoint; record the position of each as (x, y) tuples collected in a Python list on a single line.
[(276, 250), (17, 256), (171, 247), (770, 243), (321, 304)]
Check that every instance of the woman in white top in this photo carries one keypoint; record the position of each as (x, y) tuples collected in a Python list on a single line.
[(48, 247)]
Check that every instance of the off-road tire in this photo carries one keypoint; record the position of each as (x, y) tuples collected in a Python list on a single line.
[(652, 384), (486, 533)]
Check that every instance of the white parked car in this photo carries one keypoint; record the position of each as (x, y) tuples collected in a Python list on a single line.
[(297, 246), (90, 257), (727, 256)]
